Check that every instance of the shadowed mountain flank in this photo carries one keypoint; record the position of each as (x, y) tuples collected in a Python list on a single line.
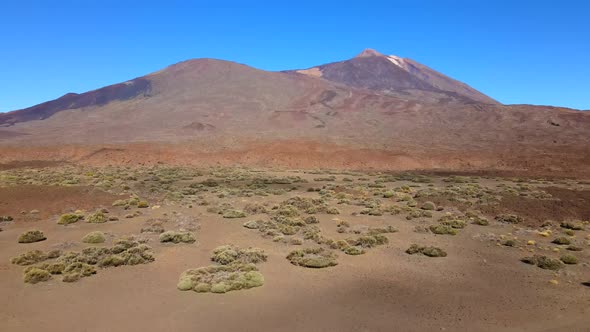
[(100, 97)]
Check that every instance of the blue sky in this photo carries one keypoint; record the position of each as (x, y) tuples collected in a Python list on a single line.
[(535, 52)]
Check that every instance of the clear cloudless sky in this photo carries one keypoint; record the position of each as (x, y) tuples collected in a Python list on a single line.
[(516, 51)]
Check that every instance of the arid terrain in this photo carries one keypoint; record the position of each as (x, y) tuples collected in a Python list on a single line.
[(290, 250), (370, 194), (370, 112)]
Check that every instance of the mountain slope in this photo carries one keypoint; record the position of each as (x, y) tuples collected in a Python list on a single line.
[(210, 112), (397, 76)]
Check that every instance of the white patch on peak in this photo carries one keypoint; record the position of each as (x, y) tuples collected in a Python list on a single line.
[(400, 62)]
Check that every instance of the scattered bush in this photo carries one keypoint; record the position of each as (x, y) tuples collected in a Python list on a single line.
[(561, 241), (354, 250), (311, 220), (569, 259), (312, 258), (220, 279), (368, 241), (254, 208), (76, 265), (426, 251), (388, 194), (234, 214), (35, 275), (30, 257), (155, 228), (543, 262), (443, 230), (69, 218), (228, 254), (509, 218), (428, 206), (480, 221), (509, 243), (574, 226), (76, 270), (252, 224), (94, 237), (569, 232), (332, 210), (177, 237), (98, 217), (6, 218), (476, 219), (31, 236)]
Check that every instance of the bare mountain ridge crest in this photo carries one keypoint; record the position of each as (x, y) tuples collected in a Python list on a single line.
[(376, 111)]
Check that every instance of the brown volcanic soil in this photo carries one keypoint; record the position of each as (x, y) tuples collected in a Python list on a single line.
[(309, 154), (566, 204), (49, 201), (478, 287)]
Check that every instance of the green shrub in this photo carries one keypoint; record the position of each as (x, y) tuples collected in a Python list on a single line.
[(76, 265), (98, 217), (481, 221), (6, 218), (311, 220), (569, 259), (220, 279), (575, 226), (332, 210), (426, 251), (252, 224), (55, 268), (354, 250), (434, 252), (156, 229), (388, 194), (29, 257), (94, 237), (230, 254), (254, 208), (177, 237), (234, 214), (287, 211), (381, 230), (312, 258), (453, 221), (31, 236), (142, 204), (69, 218), (428, 206), (443, 230), (372, 212), (35, 275), (509, 218), (543, 262), (509, 243), (561, 241)]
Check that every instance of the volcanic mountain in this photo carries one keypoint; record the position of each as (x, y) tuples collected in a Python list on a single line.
[(395, 76), (372, 111)]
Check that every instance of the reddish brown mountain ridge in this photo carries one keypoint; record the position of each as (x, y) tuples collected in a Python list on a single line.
[(373, 111)]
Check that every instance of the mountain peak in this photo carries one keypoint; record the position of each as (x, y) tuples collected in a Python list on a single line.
[(367, 53)]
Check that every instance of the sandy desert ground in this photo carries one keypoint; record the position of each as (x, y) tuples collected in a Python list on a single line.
[(364, 222)]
